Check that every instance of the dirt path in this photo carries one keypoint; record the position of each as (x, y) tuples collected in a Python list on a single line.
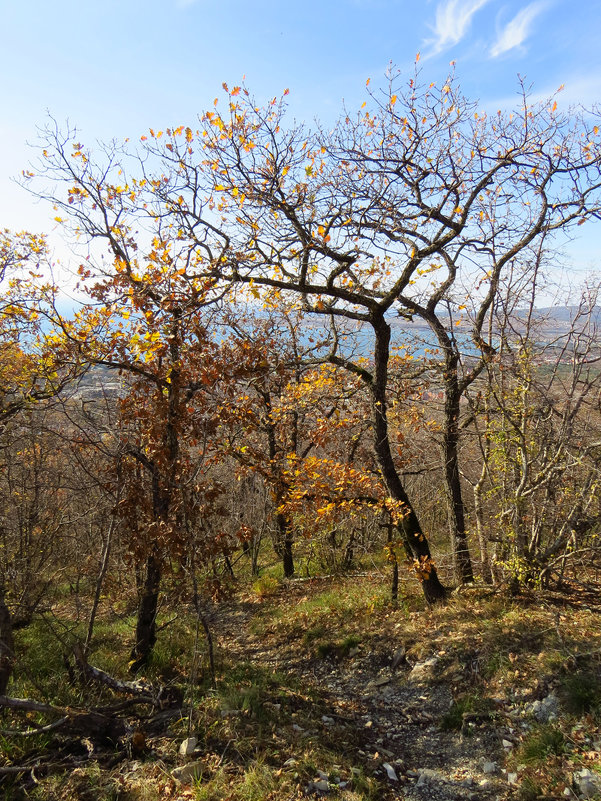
[(385, 720)]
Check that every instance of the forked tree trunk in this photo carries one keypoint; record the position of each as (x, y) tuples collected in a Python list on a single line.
[(414, 539)]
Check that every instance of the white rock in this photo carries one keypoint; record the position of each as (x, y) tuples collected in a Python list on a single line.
[(489, 767), (390, 772), (188, 773), (423, 670), (427, 775), (322, 785), (507, 744), (588, 783), (512, 778), (545, 710), (188, 746), (327, 721)]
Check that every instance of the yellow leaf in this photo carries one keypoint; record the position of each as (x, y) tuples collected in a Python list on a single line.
[(393, 100)]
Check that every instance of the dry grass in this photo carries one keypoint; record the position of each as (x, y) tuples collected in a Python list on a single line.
[(490, 646)]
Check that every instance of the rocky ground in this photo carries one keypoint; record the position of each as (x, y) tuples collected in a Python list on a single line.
[(389, 704), (334, 693), (388, 710)]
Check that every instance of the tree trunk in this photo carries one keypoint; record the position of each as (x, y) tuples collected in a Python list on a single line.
[(485, 568), (104, 563), (414, 539), (462, 562), (286, 542), (7, 647), (147, 613)]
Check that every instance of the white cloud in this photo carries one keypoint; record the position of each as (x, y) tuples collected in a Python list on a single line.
[(518, 30), (453, 19)]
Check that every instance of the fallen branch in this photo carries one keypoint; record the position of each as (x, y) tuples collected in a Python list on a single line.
[(32, 706), (77, 721), (31, 732), (159, 697)]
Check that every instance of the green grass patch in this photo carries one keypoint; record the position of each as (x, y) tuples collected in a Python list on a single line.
[(338, 649), (581, 693), (266, 586), (542, 742), (454, 720)]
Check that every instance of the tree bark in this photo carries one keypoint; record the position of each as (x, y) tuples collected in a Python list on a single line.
[(7, 646), (414, 539), (462, 563), (286, 540), (147, 614), (485, 568)]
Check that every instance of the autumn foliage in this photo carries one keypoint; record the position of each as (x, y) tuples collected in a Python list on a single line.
[(322, 322)]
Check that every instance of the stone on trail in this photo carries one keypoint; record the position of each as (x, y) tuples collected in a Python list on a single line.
[(423, 671), (588, 783), (428, 776), (398, 658), (188, 746), (188, 773)]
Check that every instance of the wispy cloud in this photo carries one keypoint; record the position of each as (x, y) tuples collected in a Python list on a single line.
[(453, 19), (517, 30)]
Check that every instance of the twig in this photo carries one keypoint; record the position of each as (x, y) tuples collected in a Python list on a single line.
[(32, 732), (32, 706)]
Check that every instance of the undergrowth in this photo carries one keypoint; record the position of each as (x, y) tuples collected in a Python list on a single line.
[(260, 729)]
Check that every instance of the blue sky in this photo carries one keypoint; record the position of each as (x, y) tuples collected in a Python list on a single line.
[(115, 68)]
